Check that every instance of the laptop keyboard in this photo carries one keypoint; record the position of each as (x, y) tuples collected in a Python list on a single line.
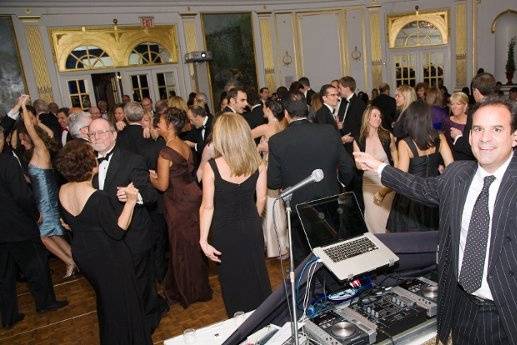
[(350, 249)]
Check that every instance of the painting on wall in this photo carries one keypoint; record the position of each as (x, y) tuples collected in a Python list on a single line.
[(230, 39), (12, 81)]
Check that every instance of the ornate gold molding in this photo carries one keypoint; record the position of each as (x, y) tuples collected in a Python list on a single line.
[(437, 18), (267, 50), (375, 46), (493, 26), (117, 43), (461, 44), (39, 63)]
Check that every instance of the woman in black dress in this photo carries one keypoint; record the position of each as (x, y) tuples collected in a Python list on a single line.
[(228, 209), (97, 246), (420, 153)]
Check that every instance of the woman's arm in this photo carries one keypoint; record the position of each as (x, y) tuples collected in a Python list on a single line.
[(445, 151), (261, 189), (404, 156), (38, 143), (160, 180), (127, 212), (208, 153), (206, 212), (393, 150), (259, 131)]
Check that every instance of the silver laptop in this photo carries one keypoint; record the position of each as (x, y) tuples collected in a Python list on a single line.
[(337, 233)]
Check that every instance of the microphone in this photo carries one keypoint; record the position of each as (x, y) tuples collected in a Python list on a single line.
[(316, 176)]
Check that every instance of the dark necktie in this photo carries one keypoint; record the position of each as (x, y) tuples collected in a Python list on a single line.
[(341, 116), (477, 240), (105, 158)]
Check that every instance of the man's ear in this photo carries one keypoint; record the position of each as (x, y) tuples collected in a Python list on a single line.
[(514, 135)]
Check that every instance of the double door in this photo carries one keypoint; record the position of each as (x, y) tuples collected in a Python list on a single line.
[(419, 65), (77, 89)]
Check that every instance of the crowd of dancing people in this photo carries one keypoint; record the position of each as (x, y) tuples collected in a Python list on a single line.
[(145, 194)]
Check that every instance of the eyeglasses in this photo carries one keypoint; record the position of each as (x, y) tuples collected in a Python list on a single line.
[(98, 133)]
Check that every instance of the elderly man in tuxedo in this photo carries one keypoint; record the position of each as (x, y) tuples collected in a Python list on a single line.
[(117, 168), (478, 245), (298, 150)]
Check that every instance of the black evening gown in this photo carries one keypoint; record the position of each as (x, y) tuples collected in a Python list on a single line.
[(407, 215), (237, 233), (105, 261)]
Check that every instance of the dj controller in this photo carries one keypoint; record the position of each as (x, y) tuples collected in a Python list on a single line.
[(384, 315)]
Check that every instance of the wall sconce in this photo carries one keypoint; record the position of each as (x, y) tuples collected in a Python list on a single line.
[(356, 54), (287, 59)]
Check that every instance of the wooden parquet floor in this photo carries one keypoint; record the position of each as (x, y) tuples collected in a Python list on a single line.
[(76, 324)]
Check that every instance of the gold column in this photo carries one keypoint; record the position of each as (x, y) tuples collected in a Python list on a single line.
[(297, 46), (461, 45), (474, 36), (189, 30), (267, 49), (39, 62), (343, 43), (375, 46)]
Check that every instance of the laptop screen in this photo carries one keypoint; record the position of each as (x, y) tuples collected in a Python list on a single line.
[(331, 219)]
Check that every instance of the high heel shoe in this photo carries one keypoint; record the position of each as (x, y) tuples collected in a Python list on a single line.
[(70, 270)]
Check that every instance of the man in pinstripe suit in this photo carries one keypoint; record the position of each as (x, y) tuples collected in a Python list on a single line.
[(477, 260)]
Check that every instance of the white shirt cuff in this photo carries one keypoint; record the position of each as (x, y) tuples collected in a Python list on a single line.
[(380, 168), (140, 201), (13, 114), (456, 139)]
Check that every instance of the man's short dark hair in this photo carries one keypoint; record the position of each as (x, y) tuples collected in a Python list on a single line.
[(324, 89), (198, 110), (348, 82), (485, 83), (384, 87), (499, 101), (304, 81), (295, 104), (232, 93), (262, 89), (513, 89)]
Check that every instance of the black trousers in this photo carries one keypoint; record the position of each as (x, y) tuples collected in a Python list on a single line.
[(477, 322), (31, 259), (153, 304)]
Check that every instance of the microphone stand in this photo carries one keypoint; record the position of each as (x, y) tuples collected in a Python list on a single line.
[(294, 324)]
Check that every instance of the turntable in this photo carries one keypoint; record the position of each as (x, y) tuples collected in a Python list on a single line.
[(340, 327)]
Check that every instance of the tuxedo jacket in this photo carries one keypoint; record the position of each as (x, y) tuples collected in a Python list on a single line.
[(324, 116), (126, 167), (388, 108), (7, 124), (301, 148), (354, 116), (131, 138), (18, 210), (50, 120), (195, 135), (449, 192), (255, 117)]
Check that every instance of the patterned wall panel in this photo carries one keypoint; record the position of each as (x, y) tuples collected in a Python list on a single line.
[(39, 63)]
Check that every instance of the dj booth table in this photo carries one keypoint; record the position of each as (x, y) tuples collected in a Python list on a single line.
[(403, 309)]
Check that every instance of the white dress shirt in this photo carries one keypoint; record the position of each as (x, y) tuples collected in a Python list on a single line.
[(475, 188), (103, 170)]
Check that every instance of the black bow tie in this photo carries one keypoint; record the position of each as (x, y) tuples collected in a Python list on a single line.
[(105, 158)]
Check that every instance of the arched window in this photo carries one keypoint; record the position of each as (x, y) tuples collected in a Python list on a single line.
[(88, 57), (149, 53), (418, 33)]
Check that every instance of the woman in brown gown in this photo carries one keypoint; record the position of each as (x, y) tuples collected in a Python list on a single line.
[(187, 278)]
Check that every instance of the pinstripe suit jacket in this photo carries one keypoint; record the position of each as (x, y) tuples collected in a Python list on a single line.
[(449, 192)]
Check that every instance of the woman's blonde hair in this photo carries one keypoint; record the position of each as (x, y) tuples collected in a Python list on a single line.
[(409, 95), (459, 96), (177, 102), (232, 140)]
